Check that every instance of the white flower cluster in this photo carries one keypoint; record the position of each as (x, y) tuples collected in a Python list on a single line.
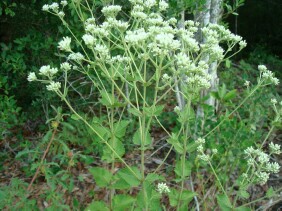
[(66, 66), (119, 59), (31, 77), (259, 162), (78, 57), (46, 70), (163, 188), (49, 72), (274, 148), (111, 11), (268, 75), (164, 43), (214, 34), (196, 75), (166, 78), (136, 37), (51, 7), (64, 45), (54, 7), (89, 40), (102, 51), (200, 149), (54, 86)]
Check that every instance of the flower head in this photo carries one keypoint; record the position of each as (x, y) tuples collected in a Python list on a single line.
[(162, 188), (53, 86), (31, 77), (64, 45)]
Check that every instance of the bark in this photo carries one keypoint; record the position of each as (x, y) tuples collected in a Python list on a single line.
[(215, 15), (203, 17)]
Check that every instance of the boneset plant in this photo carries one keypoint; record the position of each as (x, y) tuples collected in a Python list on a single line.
[(134, 62)]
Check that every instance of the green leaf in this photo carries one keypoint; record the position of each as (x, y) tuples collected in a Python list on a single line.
[(191, 147), (230, 95), (222, 91), (102, 132), (117, 145), (187, 168), (174, 141), (119, 183), (242, 209), (101, 176), (97, 206), (75, 117), (186, 197), (270, 193), (120, 128), (135, 112), (126, 175), (107, 99), (243, 194), (228, 63), (122, 202), (215, 95), (223, 202), (137, 138), (152, 177), (153, 110), (152, 197)]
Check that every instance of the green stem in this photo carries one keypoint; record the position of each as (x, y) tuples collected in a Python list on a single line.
[(249, 95), (103, 140)]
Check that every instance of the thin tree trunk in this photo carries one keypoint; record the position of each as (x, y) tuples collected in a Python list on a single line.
[(203, 17), (215, 15)]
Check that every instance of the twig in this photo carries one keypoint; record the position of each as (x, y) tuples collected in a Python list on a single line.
[(42, 159)]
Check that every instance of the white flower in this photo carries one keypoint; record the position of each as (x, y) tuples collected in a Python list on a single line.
[(149, 3), (45, 70), (89, 40), (247, 83), (200, 141), (200, 148), (61, 14), (65, 66), (64, 45), (262, 177), (242, 44), (45, 7), (137, 36), (31, 77), (176, 109), (53, 86), (166, 77), (54, 6), (102, 50), (262, 68), (76, 57), (138, 14), (263, 157), (163, 188), (53, 71), (111, 11), (275, 148), (273, 101), (204, 157), (166, 41), (273, 167), (163, 5), (214, 151), (64, 3)]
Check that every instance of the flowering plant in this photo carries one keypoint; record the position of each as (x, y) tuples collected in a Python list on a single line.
[(127, 61)]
